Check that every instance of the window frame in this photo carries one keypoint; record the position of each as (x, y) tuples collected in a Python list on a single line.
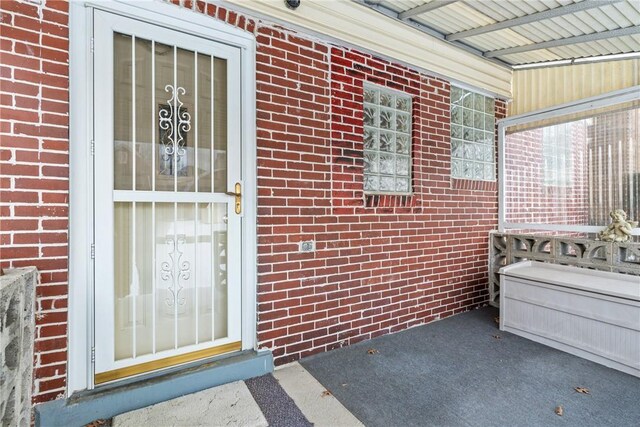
[(558, 152), (383, 89), (582, 105), (485, 144)]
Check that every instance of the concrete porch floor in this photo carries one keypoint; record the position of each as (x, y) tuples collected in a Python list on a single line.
[(290, 397), (461, 371)]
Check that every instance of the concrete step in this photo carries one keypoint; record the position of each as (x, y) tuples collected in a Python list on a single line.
[(235, 404), (111, 400)]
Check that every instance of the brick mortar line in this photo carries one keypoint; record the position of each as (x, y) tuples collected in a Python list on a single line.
[(37, 85), (34, 70), (31, 110), (38, 124)]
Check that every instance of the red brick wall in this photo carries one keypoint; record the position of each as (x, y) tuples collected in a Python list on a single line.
[(381, 264), (34, 170), (527, 198)]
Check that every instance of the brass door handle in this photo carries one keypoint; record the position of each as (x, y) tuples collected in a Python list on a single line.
[(238, 195)]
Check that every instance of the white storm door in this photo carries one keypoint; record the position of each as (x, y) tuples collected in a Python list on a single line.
[(167, 232)]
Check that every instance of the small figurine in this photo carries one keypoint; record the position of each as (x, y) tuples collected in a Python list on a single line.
[(619, 230)]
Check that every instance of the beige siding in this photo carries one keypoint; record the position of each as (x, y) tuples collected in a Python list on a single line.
[(360, 26), (538, 88)]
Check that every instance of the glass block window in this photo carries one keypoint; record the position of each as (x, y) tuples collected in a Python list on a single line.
[(472, 135), (387, 141), (557, 155)]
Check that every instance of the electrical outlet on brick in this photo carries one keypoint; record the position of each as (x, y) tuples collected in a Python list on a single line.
[(307, 246)]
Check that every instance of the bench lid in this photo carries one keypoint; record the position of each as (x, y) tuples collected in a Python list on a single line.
[(602, 282)]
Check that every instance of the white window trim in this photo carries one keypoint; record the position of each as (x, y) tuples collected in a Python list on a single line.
[(81, 299), (592, 103)]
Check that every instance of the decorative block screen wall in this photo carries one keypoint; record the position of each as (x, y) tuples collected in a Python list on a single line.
[(507, 248), (382, 262)]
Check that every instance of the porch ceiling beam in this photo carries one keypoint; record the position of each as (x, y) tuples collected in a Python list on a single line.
[(418, 10), (381, 8), (564, 42), (378, 6), (534, 17)]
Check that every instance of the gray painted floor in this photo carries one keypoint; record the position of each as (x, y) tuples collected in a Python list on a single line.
[(455, 373)]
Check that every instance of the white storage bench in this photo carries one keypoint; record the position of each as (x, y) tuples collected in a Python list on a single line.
[(588, 313)]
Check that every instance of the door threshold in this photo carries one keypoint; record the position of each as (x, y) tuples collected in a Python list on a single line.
[(145, 390), (167, 362)]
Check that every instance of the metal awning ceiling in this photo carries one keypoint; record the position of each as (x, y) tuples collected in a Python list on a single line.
[(519, 32)]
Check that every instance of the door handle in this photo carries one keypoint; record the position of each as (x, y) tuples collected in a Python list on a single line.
[(238, 195)]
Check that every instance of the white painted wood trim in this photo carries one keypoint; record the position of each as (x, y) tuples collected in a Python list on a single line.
[(168, 15), (249, 314), (103, 215), (81, 335), (80, 312)]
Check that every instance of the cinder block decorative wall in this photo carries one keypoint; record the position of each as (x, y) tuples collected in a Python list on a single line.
[(381, 263), (508, 248)]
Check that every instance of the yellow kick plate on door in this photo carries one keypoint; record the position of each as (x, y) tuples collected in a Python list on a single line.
[(154, 365)]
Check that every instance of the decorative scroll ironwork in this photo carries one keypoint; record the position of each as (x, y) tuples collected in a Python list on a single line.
[(174, 122), (176, 270), (506, 249)]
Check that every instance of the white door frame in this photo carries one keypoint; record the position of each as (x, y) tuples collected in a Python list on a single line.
[(81, 272)]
